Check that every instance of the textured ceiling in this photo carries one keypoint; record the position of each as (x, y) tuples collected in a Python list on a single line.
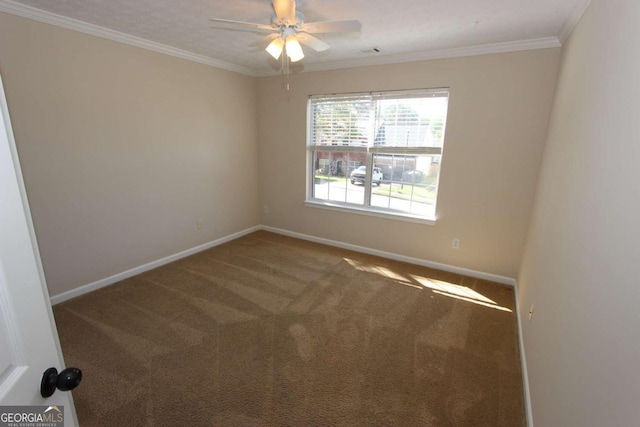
[(400, 29)]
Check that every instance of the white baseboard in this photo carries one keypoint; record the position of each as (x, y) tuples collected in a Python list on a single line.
[(464, 271), (523, 361), (57, 299), (425, 263)]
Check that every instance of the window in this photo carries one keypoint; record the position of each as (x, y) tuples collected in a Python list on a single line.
[(377, 152)]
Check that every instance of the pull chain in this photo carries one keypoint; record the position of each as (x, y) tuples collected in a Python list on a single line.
[(285, 69)]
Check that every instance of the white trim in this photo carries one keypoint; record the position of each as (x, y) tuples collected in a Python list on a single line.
[(425, 263), (485, 49), (573, 20), (29, 12), (509, 281), (57, 299), (523, 362), (15, 376), (369, 211), (84, 289), (6, 304)]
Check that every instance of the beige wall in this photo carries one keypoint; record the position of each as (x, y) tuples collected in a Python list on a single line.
[(498, 111), (124, 149), (581, 266)]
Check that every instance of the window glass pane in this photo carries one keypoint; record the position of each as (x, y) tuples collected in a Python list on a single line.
[(409, 183), (340, 122), (399, 134), (410, 122), (332, 178)]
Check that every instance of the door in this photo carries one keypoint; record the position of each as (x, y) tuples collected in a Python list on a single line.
[(28, 338)]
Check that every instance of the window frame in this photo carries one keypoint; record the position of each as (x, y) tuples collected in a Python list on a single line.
[(370, 151)]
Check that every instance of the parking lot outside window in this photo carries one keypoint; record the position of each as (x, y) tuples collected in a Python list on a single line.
[(378, 152)]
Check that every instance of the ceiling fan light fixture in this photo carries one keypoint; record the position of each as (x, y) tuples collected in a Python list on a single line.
[(294, 50), (275, 47), (288, 29)]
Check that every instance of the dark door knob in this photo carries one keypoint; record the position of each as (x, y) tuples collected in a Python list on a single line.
[(67, 380)]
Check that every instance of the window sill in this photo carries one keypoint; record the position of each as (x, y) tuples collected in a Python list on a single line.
[(370, 212)]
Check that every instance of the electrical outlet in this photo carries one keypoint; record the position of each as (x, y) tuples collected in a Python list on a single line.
[(455, 244), (199, 224), (265, 209), (531, 310)]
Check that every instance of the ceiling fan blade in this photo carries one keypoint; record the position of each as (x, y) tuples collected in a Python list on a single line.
[(244, 24), (285, 11), (313, 42), (348, 26)]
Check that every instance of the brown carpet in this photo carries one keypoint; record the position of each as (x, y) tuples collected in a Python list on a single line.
[(267, 330)]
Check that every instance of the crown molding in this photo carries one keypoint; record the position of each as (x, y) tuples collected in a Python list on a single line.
[(29, 12), (573, 20), (484, 49)]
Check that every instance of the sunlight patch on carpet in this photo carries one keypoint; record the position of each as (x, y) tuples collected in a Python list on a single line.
[(459, 292)]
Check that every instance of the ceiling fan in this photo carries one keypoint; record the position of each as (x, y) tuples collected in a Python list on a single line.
[(288, 29)]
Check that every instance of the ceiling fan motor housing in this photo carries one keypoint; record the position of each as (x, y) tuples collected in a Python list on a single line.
[(284, 22)]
